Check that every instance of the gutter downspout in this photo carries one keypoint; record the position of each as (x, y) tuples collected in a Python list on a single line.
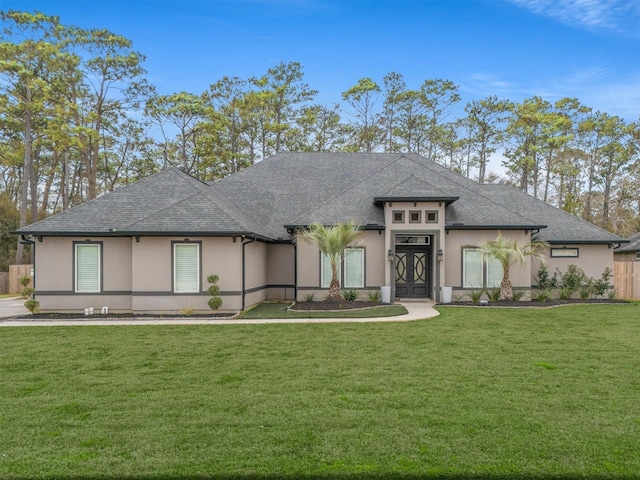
[(244, 280), (26, 241), (295, 272)]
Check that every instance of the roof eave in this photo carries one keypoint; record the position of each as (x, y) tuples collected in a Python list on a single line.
[(453, 226), (131, 233), (447, 199)]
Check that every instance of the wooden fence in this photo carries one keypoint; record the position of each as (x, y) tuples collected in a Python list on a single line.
[(4, 282), (626, 276), (15, 273)]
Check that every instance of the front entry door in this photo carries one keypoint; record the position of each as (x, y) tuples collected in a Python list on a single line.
[(413, 271)]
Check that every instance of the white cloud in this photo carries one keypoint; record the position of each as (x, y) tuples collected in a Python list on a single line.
[(621, 16)]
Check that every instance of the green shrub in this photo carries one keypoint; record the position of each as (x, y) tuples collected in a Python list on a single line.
[(25, 281), (350, 295), (215, 302), (32, 305), (571, 281), (543, 279), (27, 292), (310, 297), (601, 286)]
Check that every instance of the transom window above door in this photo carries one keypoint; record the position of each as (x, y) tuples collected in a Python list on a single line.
[(413, 239)]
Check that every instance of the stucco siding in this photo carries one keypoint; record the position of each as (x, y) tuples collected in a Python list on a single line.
[(457, 240), (309, 265), (280, 271), (593, 259)]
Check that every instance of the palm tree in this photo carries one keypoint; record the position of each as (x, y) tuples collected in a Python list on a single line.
[(509, 253), (332, 241)]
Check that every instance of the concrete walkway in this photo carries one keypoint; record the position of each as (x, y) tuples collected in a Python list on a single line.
[(12, 307), (416, 311)]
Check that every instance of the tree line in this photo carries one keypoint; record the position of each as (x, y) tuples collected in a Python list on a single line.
[(78, 118)]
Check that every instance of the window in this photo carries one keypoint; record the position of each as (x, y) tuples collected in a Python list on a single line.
[(564, 252), (88, 267), (398, 216), (354, 268), (411, 239), (431, 216), (637, 255), (351, 269), (415, 217), (480, 271), (186, 267)]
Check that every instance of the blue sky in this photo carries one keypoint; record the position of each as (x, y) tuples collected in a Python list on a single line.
[(589, 49)]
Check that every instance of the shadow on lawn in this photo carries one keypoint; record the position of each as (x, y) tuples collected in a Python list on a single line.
[(354, 476)]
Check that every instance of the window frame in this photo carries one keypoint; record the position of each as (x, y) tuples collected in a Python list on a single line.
[(345, 276), (431, 212), (174, 269), (417, 213), (487, 263), (400, 213), (574, 252), (638, 256), (99, 279), (325, 280)]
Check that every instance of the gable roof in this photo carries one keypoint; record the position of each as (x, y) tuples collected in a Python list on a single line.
[(292, 189)]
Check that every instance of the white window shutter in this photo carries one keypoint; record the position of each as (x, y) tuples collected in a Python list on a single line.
[(187, 268)]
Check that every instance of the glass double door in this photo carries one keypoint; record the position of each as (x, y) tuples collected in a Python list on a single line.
[(413, 271)]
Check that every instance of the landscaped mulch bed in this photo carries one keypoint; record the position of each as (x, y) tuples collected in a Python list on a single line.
[(117, 316), (325, 305)]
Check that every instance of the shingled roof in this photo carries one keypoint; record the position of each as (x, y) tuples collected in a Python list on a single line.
[(632, 246), (292, 189)]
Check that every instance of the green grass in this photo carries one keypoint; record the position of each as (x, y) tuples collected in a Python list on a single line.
[(9, 295), (473, 393), (279, 310)]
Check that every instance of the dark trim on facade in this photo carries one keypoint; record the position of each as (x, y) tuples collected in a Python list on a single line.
[(133, 233), (447, 199)]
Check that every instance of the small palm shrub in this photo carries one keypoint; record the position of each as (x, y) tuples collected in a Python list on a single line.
[(215, 302), (373, 296), (350, 295), (476, 295), (542, 295), (517, 295), (493, 294), (310, 297)]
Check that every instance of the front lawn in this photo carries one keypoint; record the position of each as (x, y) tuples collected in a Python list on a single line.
[(473, 393)]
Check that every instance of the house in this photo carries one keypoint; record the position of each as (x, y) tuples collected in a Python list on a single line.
[(151, 245), (626, 268)]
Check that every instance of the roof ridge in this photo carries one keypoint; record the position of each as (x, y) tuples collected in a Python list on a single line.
[(344, 192), (455, 178)]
